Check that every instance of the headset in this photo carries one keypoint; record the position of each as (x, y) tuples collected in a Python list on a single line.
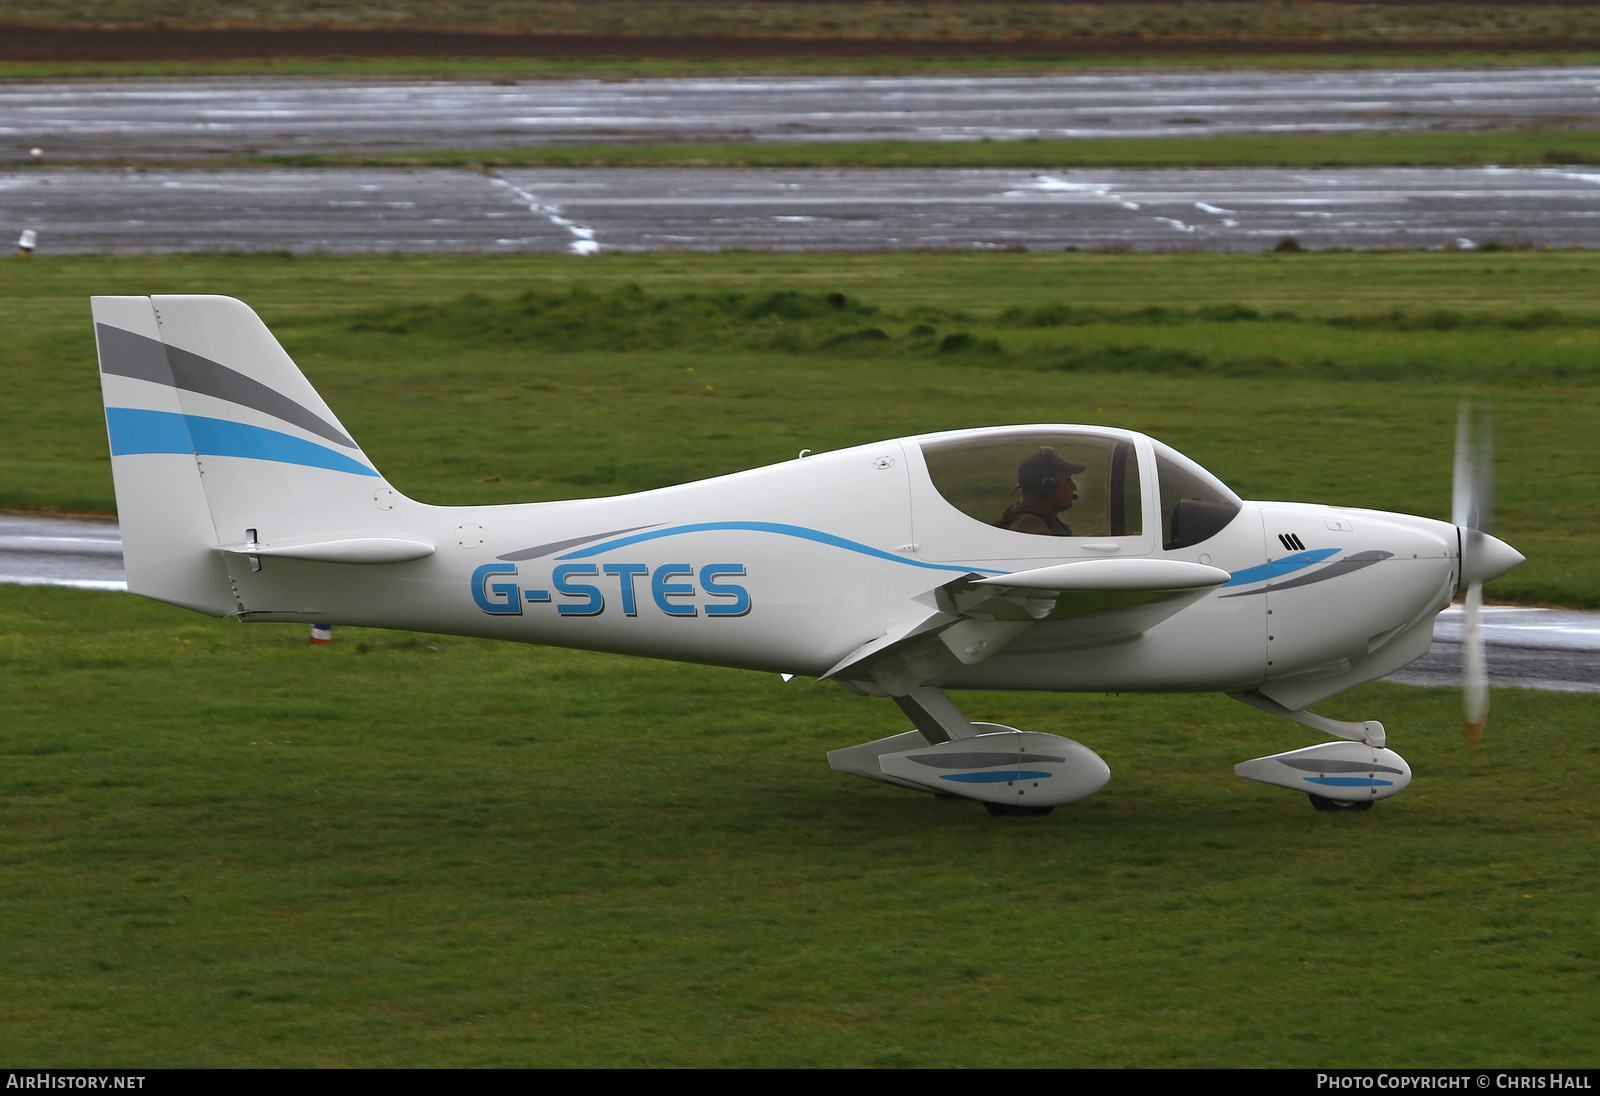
[(1050, 481)]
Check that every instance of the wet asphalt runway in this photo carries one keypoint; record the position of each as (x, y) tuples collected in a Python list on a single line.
[(158, 118), (582, 211), (38, 551), (1556, 650), (625, 209)]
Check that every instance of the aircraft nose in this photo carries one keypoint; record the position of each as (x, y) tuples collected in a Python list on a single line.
[(1484, 557)]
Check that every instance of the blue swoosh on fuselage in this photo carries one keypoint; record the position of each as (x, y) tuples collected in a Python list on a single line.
[(1277, 568), (778, 528)]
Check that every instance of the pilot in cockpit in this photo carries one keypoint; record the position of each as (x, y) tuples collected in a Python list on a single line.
[(1045, 479)]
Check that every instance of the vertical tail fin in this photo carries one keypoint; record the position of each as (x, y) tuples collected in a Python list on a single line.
[(219, 444)]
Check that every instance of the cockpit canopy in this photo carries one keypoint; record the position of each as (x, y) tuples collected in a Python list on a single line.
[(1077, 482), (980, 477)]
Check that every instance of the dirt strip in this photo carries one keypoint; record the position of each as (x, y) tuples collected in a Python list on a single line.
[(64, 44)]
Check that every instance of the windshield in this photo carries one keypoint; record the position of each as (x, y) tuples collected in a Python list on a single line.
[(1195, 505)]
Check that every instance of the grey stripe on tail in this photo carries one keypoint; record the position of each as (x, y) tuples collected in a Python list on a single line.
[(129, 355)]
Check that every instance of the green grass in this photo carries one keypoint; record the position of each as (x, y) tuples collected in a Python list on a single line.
[(532, 68), (1508, 147), (1227, 20), (1317, 377), (1536, 147), (225, 847), (1094, 35)]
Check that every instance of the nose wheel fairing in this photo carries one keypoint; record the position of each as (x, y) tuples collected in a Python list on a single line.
[(1344, 772)]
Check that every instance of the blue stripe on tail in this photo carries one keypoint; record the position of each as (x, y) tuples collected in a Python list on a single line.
[(135, 430)]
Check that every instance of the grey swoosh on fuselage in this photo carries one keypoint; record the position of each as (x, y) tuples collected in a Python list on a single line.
[(1333, 570), (556, 545), (131, 355)]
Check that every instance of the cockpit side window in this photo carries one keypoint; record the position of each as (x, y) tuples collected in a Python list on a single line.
[(1195, 505), (1050, 484)]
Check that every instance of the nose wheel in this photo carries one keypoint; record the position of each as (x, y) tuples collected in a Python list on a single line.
[(1013, 810), (1323, 803)]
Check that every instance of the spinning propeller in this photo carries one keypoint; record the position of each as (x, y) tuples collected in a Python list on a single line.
[(1483, 557)]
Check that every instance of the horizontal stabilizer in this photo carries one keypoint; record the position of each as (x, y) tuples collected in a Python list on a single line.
[(341, 549)]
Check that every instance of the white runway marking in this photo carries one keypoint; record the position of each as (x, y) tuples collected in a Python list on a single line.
[(583, 242)]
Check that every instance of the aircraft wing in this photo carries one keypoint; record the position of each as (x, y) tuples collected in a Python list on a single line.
[(1063, 606), (1112, 575)]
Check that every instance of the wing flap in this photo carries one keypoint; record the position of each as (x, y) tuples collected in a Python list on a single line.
[(884, 645), (1081, 603)]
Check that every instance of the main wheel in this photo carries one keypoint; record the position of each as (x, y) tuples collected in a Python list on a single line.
[(1016, 810), (1323, 803)]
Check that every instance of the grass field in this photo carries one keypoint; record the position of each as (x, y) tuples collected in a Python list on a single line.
[(1319, 377), (622, 68), (1308, 20), (1507, 148), (625, 68), (225, 847), (1540, 147), (649, 37)]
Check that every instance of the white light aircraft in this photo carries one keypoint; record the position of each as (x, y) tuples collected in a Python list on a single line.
[(1056, 558)]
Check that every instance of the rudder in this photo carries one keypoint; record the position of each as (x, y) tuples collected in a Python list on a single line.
[(218, 441)]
